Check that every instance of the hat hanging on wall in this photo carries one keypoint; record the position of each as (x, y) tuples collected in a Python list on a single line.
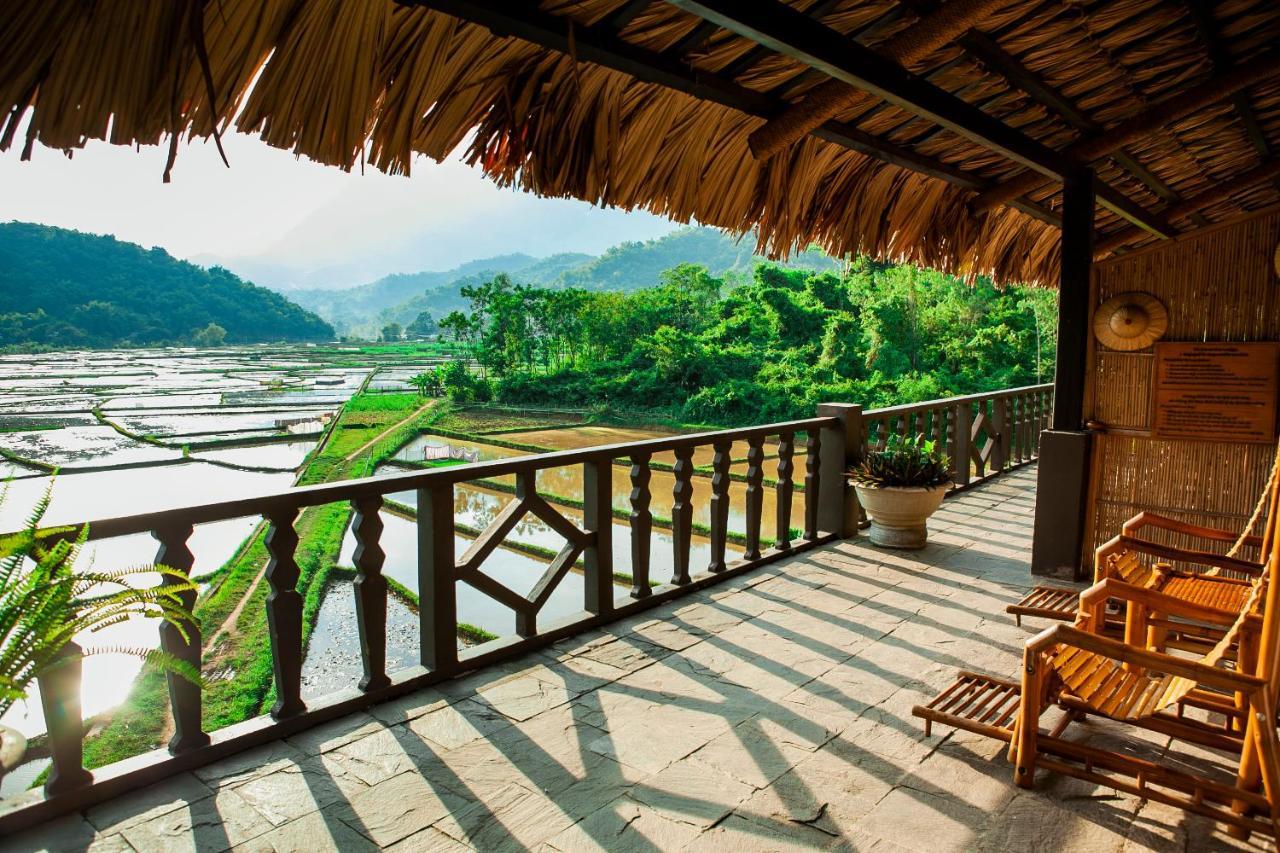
[(1130, 321)]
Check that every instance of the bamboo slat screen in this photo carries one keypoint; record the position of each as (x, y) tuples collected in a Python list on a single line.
[(1219, 285)]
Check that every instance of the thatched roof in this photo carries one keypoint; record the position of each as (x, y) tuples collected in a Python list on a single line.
[(349, 81)]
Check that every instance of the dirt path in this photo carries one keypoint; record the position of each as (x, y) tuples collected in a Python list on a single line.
[(386, 432)]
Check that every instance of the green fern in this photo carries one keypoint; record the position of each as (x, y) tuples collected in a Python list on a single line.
[(45, 604)]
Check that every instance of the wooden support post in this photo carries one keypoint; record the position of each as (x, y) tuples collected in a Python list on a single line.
[(1063, 473), (60, 701), (1073, 301), (371, 591), (284, 613), (437, 592), (641, 526), (597, 520), (184, 696)]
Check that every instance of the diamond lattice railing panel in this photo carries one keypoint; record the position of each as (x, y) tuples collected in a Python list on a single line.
[(526, 606)]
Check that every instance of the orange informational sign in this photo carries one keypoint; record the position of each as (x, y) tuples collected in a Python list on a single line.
[(1216, 391)]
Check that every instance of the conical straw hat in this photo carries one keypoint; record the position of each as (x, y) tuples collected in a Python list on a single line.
[(1130, 321)]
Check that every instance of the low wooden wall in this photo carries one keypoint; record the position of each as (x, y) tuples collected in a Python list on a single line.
[(1218, 285)]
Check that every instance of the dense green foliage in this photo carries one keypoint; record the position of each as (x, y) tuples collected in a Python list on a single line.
[(365, 310), (700, 350), (68, 289)]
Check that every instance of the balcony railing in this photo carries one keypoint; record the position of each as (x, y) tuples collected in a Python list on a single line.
[(993, 431)]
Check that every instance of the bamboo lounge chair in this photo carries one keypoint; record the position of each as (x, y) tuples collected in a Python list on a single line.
[(1085, 672), (1216, 580)]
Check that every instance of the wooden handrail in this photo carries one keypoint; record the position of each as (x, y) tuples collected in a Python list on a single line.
[(911, 408), (366, 487)]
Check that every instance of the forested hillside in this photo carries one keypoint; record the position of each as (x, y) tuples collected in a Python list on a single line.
[(63, 288), (628, 266), (772, 348)]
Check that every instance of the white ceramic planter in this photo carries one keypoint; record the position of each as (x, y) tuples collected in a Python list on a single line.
[(12, 747), (899, 514)]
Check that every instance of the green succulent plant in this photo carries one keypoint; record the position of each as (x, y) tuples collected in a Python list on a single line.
[(45, 603), (904, 461)]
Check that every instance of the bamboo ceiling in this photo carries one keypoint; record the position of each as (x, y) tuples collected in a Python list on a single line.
[(346, 82)]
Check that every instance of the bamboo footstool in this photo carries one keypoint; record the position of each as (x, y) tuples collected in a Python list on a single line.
[(1048, 602)]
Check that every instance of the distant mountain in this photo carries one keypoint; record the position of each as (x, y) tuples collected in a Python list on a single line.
[(625, 267), (68, 289)]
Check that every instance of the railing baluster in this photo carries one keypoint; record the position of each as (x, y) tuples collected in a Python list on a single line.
[(1000, 423), (786, 487), (184, 696), (812, 482), (939, 417), (963, 453), (641, 525), (370, 590), (682, 514), (437, 590), (284, 613), (719, 504), (597, 520), (60, 700), (755, 496)]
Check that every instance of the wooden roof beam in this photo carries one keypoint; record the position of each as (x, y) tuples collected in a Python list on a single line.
[(1221, 60), (1148, 121), (791, 33), (601, 46), (835, 96), (1222, 191)]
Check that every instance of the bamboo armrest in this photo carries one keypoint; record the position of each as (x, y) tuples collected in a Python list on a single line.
[(1151, 519), (1197, 558), (1098, 594), (1223, 679)]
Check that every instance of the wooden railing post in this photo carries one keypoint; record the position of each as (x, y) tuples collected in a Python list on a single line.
[(962, 447), (437, 593), (60, 700), (184, 696), (641, 526), (597, 520), (1003, 428), (720, 504), (284, 613), (682, 514), (370, 591), (841, 448)]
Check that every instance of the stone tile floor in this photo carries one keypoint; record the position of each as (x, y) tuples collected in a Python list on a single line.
[(770, 713)]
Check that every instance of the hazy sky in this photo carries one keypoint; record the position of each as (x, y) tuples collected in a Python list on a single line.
[(274, 216)]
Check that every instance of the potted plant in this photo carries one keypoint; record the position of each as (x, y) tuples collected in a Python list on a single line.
[(45, 604), (900, 486)]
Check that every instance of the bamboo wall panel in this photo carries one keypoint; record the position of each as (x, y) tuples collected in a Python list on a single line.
[(1219, 285)]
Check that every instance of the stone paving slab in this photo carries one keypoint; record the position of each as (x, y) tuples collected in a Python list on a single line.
[(769, 713)]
